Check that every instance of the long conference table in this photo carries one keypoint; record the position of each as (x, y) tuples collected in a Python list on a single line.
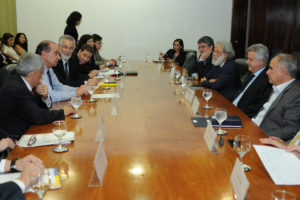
[(152, 148)]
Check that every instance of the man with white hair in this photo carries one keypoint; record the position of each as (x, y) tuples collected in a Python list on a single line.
[(255, 89), (223, 76), (20, 102)]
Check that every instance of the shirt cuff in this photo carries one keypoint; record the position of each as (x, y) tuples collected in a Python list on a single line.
[(47, 101), (2, 165), (20, 184)]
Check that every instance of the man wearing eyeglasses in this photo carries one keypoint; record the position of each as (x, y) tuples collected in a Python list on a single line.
[(204, 62)]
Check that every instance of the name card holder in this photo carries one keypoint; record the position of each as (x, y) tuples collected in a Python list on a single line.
[(100, 165), (210, 136), (195, 105), (101, 130), (189, 95), (239, 181)]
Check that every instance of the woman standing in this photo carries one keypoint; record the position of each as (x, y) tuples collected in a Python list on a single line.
[(73, 20), (20, 44)]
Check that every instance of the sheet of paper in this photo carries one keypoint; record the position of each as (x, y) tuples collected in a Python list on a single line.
[(210, 136), (103, 96), (195, 105), (283, 167), (100, 163), (239, 181), (189, 95), (109, 72), (45, 139)]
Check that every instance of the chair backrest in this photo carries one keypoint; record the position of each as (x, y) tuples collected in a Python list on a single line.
[(7, 72), (296, 54), (190, 59), (242, 66)]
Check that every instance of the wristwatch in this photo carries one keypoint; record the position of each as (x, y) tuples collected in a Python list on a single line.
[(13, 167)]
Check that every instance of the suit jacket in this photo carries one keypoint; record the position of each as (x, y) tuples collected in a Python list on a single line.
[(99, 60), (19, 109), (256, 95), (282, 119), (228, 80), (74, 79), (72, 31), (179, 59), (10, 191), (202, 67)]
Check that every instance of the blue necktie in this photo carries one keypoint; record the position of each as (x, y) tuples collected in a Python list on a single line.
[(49, 78)]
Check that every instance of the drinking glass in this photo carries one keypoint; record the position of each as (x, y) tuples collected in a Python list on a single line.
[(220, 116), (282, 195), (91, 89), (207, 94), (59, 130), (242, 145), (117, 72), (106, 81), (42, 184), (76, 102), (177, 76)]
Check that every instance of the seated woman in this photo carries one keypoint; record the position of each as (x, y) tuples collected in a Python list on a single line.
[(20, 44), (4, 59), (7, 40), (176, 54)]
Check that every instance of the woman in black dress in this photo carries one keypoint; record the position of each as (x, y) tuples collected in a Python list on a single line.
[(73, 20), (176, 54)]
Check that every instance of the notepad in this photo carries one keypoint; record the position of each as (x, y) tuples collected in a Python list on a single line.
[(45, 139), (282, 166), (51, 172)]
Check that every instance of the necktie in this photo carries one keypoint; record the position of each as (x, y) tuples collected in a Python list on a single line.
[(31, 91), (67, 70), (50, 79), (246, 79)]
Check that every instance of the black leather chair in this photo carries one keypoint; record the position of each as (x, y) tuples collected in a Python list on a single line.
[(296, 54), (7, 72), (190, 59), (242, 66)]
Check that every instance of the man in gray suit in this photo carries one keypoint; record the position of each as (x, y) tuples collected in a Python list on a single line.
[(280, 115)]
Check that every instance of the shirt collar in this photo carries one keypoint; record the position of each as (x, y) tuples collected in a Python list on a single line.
[(257, 73), (281, 87), (27, 84)]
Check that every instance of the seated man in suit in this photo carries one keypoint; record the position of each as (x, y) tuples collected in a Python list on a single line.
[(66, 71), (80, 60), (255, 89), (280, 115), (99, 60), (29, 166), (57, 91), (203, 64), (224, 75), (21, 104)]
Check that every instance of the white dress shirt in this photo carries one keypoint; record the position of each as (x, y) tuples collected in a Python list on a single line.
[(276, 92)]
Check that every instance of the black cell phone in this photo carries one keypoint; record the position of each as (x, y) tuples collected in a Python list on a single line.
[(230, 143)]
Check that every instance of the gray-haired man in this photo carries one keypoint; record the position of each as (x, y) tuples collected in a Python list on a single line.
[(20, 102)]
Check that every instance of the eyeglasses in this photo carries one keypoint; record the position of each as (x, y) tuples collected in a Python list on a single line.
[(202, 46)]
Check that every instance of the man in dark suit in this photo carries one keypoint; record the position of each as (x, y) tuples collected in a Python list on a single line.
[(29, 165), (21, 103), (223, 76), (67, 69), (280, 115), (255, 89), (203, 64)]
